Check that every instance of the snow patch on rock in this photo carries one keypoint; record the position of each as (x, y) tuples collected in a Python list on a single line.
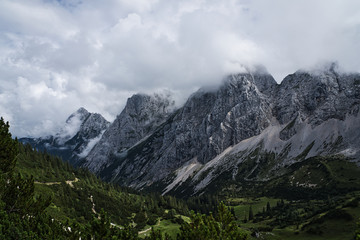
[(90, 145)]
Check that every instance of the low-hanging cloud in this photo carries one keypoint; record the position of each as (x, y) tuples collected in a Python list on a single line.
[(58, 55)]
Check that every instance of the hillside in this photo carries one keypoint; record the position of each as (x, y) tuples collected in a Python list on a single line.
[(64, 202), (78, 194), (42, 196)]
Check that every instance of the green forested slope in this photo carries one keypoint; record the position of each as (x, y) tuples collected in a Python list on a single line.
[(42, 197), (78, 195)]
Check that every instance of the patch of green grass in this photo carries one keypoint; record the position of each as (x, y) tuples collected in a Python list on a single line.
[(336, 223), (165, 226), (185, 218), (330, 230), (257, 204)]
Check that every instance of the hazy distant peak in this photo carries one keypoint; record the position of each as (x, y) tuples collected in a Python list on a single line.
[(82, 110), (79, 114)]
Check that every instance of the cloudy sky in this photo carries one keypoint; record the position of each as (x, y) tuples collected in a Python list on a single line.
[(59, 55)]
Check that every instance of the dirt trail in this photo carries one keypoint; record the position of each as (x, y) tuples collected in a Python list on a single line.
[(47, 183), (69, 182), (93, 204), (146, 230)]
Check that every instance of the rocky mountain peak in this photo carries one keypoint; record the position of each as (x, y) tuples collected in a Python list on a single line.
[(248, 128), (255, 79), (81, 131), (142, 114), (82, 111), (259, 79), (148, 107), (79, 114), (248, 109)]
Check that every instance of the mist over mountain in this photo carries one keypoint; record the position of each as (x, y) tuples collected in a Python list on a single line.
[(216, 131), (98, 55), (82, 130), (248, 128)]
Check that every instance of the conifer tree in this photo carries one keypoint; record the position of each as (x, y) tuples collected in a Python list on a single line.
[(251, 214), (245, 219), (203, 227), (19, 209), (268, 208), (233, 212), (8, 148), (357, 233)]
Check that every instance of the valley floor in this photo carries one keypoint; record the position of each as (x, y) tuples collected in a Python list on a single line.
[(287, 220)]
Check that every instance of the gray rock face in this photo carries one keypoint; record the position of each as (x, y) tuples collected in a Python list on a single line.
[(315, 113), (79, 134), (141, 116), (315, 97), (208, 123), (249, 128)]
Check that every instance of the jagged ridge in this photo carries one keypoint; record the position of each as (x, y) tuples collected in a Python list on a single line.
[(249, 119)]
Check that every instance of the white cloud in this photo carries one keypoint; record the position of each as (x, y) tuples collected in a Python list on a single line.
[(35, 18), (58, 55)]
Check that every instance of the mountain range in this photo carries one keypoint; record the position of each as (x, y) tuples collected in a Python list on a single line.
[(82, 130), (249, 129)]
